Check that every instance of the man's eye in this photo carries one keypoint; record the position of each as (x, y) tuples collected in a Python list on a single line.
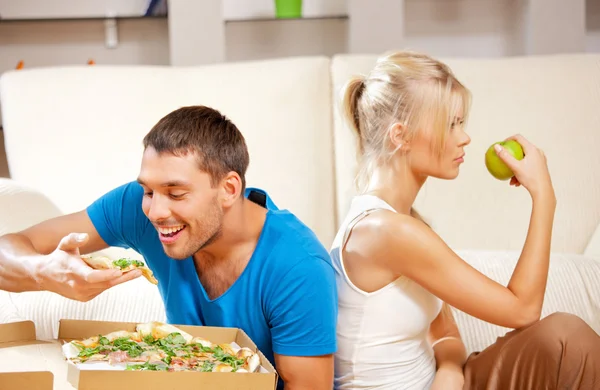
[(177, 196), (149, 193)]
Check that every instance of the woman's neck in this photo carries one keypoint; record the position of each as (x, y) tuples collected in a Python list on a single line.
[(396, 185)]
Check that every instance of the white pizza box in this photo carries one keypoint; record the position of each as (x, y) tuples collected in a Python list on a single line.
[(22, 362), (92, 378)]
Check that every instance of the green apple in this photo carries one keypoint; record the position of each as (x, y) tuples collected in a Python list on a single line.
[(496, 166)]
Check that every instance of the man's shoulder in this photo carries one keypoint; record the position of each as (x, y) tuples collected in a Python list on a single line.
[(132, 191), (287, 235), (127, 193), (295, 247)]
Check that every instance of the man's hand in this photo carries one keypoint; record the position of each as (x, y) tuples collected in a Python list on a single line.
[(65, 273)]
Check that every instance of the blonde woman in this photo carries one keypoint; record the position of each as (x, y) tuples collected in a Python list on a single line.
[(396, 277)]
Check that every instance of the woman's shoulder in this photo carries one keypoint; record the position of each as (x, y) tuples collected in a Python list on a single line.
[(383, 231)]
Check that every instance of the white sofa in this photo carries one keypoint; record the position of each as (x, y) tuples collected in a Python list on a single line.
[(73, 133)]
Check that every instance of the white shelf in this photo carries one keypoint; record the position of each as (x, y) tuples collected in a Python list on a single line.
[(274, 19)]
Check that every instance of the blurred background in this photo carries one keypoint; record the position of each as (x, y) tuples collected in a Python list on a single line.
[(37, 33)]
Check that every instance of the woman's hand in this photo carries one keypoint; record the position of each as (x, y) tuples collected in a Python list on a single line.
[(532, 171), (448, 378)]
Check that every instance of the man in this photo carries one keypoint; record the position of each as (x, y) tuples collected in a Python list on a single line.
[(221, 258)]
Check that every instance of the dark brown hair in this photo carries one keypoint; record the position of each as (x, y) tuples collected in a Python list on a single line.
[(217, 142)]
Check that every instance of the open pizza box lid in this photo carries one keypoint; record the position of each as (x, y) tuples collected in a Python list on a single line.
[(92, 379), (23, 358)]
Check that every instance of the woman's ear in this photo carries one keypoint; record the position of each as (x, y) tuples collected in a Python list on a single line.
[(398, 137)]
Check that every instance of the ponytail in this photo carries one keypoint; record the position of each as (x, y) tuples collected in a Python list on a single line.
[(353, 91)]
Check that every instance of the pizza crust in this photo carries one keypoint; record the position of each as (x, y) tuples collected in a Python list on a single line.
[(159, 330)]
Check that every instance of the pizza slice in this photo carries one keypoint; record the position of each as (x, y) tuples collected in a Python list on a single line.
[(125, 265)]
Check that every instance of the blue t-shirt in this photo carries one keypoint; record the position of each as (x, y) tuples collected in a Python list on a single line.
[(285, 299)]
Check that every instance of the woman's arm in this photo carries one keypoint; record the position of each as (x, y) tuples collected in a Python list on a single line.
[(449, 350), (407, 246), (445, 339)]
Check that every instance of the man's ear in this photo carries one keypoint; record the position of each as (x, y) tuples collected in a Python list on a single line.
[(399, 137), (231, 189)]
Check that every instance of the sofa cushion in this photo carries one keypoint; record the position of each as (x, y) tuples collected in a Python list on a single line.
[(572, 287), (553, 101)]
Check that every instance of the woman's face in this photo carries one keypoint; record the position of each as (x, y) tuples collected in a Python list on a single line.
[(425, 161)]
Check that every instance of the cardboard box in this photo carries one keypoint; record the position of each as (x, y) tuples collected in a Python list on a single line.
[(38, 380), (17, 342), (22, 348)]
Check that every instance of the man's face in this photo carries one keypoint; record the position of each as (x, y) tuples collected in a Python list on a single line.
[(180, 202)]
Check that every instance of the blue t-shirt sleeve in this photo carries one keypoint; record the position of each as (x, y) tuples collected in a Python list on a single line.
[(303, 310), (118, 216)]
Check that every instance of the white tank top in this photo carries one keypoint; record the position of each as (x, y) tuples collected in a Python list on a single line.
[(382, 335)]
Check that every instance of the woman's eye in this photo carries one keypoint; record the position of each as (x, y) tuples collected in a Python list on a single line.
[(177, 196), (454, 124), (147, 193)]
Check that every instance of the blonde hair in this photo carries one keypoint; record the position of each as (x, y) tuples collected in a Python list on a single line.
[(404, 87)]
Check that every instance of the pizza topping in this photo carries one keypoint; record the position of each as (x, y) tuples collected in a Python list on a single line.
[(158, 350), (207, 366), (147, 366), (125, 263), (117, 357)]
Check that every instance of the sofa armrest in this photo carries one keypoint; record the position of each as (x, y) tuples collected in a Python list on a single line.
[(135, 301), (593, 247), (22, 206), (8, 310)]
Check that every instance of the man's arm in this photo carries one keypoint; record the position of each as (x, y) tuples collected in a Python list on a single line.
[(305, 373), (22, 254), (449, 350), (46, 256), (303, 317)]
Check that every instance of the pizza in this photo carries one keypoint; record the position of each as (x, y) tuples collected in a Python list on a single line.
[(125, 265), (156, 346)]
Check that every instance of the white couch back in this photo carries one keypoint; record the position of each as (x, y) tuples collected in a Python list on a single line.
[(554, 101), (76, 132)]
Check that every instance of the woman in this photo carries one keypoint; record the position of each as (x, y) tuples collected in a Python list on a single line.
[(397, 278)]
